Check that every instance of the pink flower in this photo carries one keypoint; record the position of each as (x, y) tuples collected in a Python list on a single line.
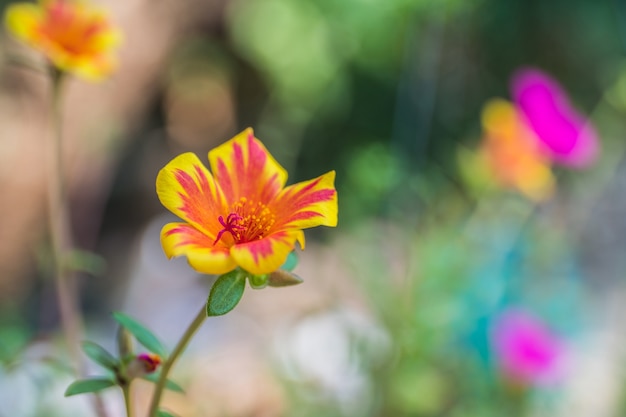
[(565, 135), (526, 350)]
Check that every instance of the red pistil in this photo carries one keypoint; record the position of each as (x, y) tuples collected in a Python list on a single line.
[(231, 225)]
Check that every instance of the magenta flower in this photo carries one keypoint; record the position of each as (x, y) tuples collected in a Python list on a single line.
[(525, 349), (566, 136)]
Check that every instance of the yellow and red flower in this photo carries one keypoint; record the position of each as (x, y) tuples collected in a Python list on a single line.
[(242, 214), (74, 36), (509, 155)]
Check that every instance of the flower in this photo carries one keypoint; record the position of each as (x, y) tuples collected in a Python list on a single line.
[(74, 36), (509, 155), (140, 365), (149, 361), (242, 215), (566, 136), (526, 350)]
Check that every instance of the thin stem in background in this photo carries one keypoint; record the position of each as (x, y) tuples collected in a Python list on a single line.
[(178, 350), (60, 234), (127, 399), (61, 240)]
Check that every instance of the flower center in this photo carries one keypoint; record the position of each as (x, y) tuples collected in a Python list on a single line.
[(247, 221)]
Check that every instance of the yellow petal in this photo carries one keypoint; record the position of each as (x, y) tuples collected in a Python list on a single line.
[(22, 19), (535, 180), (187, 189), (307, 204), (182, 239), (300, 239), (268, 254), (244, 168), (500, 119), (106, 40), (91, 68)]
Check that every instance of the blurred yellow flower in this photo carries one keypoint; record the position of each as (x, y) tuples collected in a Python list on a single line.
[(241, 213), (509, 155), (73, 35)]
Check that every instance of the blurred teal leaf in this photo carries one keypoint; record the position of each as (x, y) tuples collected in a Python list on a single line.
[(83, 386), (291, 262), (141, 333), (169, 384), (100, 355), (226, 293)]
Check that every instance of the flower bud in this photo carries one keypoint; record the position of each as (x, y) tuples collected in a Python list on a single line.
[(258, 281), (150, 361), (124, 342), (142, 364), (282, 278)]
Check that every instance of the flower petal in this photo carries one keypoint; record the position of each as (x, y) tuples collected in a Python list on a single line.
[(187, 189), (568, 138), (268, 254), (182, 239), (244, 168), (512, 152), (21, 20), (107, 38), (526, 348), (307, 204), (94, 68)]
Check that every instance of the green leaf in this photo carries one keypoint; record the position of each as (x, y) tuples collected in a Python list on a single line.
[(85, 261), (226, 293), (163, 413), (291, 262), (141, 333), (83, 386), (169, 384), (13, 339), (99, 355)]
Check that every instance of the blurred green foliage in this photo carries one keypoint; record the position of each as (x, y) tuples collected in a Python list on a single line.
[(408, 77)]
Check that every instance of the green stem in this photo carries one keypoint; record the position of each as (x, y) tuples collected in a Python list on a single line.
[(127, 399), (61, 239), (60, 230), (178, 350)]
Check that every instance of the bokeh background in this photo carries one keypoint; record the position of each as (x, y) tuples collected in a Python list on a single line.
[(400, 304)]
